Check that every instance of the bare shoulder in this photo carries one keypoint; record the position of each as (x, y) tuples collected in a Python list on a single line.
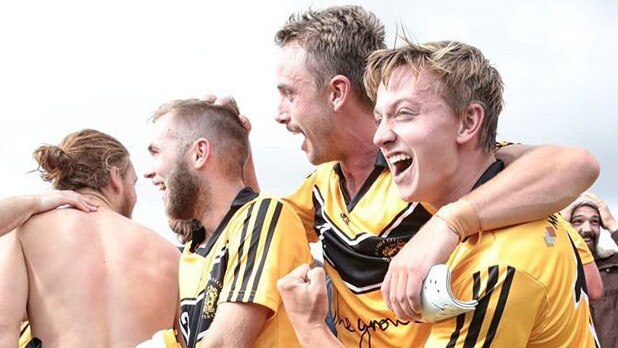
[(52, 220), (154, 240)]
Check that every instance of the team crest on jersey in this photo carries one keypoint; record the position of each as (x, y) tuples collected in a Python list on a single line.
[(389, 247), (550, 236), (211, 297)]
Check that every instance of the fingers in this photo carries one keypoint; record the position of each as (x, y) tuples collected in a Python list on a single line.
[(82, 203), (297, 276), (246, 124), (414, 296), (386, 288), (210, 98), (317, 280), (227, 100), (54, 199), (223, 100), (402, 305)]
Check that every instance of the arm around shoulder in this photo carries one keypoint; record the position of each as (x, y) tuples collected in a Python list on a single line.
[(14, 211), (537, 182)]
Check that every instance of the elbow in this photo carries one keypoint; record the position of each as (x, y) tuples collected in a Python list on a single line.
[(583, 168), (590, 167), (595, 293)]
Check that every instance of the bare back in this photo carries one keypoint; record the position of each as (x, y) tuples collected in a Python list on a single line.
[(97, 279)]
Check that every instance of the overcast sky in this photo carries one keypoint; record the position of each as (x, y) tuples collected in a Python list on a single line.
[(107, 65)]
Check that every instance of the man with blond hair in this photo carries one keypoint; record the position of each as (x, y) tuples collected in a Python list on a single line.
[(94, 279), (374, 248), (437, 107)]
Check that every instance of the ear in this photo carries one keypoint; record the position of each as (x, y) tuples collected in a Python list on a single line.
[(200, 153), (115, 180), (340, 90), (470, 123)]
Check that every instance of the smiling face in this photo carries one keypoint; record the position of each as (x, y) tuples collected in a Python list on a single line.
[(417, 133), (303, 107), (170, 171), (587, 222)]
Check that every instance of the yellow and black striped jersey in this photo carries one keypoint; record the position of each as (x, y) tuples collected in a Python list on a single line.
[(530, 286), (24, 334), (259, 240), (359, 236)]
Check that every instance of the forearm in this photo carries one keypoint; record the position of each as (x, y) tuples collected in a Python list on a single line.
[(539, 182), (318, 335), (594, 284), (14, 211)]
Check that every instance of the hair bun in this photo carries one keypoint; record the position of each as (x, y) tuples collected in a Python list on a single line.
[(54, 163)]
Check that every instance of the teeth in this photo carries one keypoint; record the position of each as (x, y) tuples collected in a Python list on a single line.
[(161, 187), (398, 158)]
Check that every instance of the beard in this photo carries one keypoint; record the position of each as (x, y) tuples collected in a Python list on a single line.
[(187, 198)]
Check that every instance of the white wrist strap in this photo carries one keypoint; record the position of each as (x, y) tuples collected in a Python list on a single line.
[(437, 298)]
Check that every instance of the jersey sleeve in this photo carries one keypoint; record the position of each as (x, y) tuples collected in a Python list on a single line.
[(302, 203), (509, 304), (580, 244), (268, 244)]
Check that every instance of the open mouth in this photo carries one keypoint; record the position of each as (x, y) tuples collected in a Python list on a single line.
[(399, 163)]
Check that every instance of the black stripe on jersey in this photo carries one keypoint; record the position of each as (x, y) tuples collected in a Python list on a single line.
[(410, 224), (253, 246), (504, 294), (455, 335), (580, 280), (476, 288), (24, 329), (361, 261), (351, 203), (481, 307), (269, 237), (242, 243)]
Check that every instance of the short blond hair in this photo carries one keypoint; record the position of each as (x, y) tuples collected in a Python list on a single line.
[(460, 73), (338, 41)]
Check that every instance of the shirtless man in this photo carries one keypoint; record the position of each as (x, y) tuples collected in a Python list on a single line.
[(93, 279)]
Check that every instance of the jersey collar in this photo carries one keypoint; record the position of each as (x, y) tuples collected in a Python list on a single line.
[(243, 197)]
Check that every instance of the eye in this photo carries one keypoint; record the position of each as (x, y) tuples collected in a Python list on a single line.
[(287, 94), (378, 120), (405, 114), (576, 222)]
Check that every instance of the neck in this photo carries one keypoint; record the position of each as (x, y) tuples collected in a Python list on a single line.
[(469, 170), (219, 204), (358, 153), (103, 201)]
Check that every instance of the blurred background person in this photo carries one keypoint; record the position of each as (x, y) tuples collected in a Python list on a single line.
[(589, 214)]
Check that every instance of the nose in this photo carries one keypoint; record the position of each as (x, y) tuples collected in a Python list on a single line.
[(585, 226), (149, 174), (384, 134), (283, 115)]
